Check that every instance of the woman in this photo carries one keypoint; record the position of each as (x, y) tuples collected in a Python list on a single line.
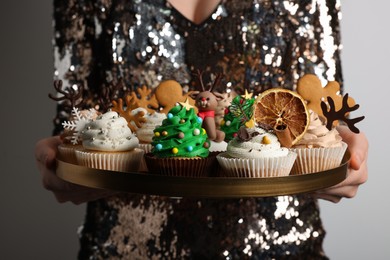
[(257, 45)]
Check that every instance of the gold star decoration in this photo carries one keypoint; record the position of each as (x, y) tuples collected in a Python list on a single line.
[(247, 95), (186, 104)]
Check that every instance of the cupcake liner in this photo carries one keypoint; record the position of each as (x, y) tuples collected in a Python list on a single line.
[(256, 167), (127, 161), (184, 167), (310, 160), (66, 152), (147, 148)]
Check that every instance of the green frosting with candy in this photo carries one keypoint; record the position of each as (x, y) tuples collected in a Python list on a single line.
[(180, 135), (238, 113)]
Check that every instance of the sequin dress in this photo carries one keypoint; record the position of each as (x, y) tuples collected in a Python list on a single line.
[(257, 45)]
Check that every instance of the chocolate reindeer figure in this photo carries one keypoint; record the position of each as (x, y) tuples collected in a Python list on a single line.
[(207, 102)]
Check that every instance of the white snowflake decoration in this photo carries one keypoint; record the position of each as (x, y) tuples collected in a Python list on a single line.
[(79, 122)]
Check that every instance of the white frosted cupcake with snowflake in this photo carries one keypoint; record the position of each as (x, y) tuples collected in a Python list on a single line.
[(71, 139), (109, 144)]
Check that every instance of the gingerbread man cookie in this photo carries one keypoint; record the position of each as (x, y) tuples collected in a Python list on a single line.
[(310, 88), (168, 93)]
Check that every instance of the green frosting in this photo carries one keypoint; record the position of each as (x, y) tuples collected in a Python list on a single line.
[(180, 135), (239, 112)]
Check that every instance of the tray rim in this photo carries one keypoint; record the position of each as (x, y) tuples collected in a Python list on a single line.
[(205, 187)]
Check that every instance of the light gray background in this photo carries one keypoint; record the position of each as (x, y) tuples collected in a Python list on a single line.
[(34, 226)]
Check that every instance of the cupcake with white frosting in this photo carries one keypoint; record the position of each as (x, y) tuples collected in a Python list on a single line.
[(145, 133), (255, 152), (109, 144), (319, 149), (71, 139)]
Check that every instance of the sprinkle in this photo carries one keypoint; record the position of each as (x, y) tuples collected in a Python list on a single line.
[(175, 150), (169, 115), (199, 120), (196, 131), (206, 145), (181, 135), (157, 134), (158, 147), (182, 121), (228, 123), (164, 133), (189, 148)]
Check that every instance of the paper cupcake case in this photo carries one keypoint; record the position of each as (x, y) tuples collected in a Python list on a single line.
[(311, 160), (256, 168), (183, 167), (128, 161), (67, 152), (147, 148)]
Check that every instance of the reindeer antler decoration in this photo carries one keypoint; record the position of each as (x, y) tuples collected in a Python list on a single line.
[(109, 93), (217, 80), (332, 115), (70, 94), (199, 75)]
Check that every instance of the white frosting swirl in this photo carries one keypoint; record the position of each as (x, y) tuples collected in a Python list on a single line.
[(109, 132), (317, 135), (145, 133), (256, 147)]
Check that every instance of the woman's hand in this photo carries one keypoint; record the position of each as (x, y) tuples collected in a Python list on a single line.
[(45, 156), (357, 169)]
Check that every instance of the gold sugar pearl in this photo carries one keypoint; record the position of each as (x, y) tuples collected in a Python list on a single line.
[(266, 140)]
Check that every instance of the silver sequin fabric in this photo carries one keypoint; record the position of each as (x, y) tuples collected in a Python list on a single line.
[(257, 45)]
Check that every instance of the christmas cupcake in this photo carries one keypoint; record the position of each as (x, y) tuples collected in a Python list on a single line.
[(109, 144), (180, 145), (255, 152), (145, 133), (319, 149), (71, 139)]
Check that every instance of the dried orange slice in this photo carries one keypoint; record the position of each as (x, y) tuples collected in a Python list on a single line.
[(283, 109)]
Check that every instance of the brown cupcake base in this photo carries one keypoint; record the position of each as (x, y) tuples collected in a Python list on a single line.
[(186, 167)]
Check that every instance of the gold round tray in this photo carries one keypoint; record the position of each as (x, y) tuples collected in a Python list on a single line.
[(211, 187)]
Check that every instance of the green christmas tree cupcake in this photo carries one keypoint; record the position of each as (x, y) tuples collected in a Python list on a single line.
[(239, 113), (180, 145)]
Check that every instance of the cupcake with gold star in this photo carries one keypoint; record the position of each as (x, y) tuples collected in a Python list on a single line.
[(180, 145)]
